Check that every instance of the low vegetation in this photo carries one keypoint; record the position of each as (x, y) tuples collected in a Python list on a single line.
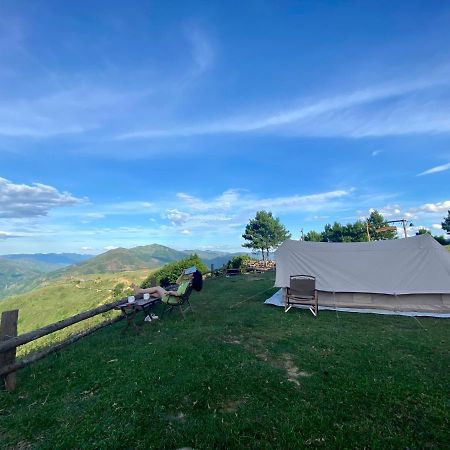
[(240, 374), (170, 272)]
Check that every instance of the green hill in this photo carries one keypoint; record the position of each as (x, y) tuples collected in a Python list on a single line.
[(237, 374), (21, 275), (122, 259), (147, 256), (59, 299)]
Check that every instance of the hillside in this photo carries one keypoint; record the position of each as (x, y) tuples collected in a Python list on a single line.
[(122, 259), (147, 256), (21, 275), (66, 297), (237, 374)]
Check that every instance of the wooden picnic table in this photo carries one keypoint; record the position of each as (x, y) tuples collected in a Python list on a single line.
[(130, 310)]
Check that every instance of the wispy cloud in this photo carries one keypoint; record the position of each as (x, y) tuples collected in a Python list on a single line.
[(77, 109), (398, 111), (234, 199), (202, 51), (436, 169)]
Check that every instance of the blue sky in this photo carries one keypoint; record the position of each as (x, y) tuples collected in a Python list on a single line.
[(129, 123)]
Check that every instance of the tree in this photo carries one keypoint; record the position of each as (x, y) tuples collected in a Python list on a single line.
[(264, 233), (333, 233), (441, 239), (239, 262), (313, 236), (353, 232), (376, 221), (446, 223)]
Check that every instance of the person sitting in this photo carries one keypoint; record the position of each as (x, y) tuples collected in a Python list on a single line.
[(195, 280)]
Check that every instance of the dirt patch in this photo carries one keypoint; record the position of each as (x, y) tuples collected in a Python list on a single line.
[(257, 347), (293, 372), (231, 406), (232, 340), (179, 417)]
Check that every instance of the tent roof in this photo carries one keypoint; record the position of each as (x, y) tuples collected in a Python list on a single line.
[(417, 265)]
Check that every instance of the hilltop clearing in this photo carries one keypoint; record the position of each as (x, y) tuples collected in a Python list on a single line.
[(240, 374)]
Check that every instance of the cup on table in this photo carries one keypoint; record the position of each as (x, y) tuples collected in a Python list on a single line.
[(131, 299), (146, 296)]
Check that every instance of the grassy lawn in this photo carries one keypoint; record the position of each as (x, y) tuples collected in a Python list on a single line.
[(240, 374)]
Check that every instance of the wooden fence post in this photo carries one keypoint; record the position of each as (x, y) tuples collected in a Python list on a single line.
[(8, 330)]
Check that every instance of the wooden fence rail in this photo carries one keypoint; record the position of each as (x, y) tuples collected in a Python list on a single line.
[(36, 356), (36, 334)]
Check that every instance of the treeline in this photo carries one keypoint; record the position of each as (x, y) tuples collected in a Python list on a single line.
[(362, 231)]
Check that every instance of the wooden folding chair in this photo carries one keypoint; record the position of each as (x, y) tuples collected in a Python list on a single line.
[(302, 291), (182, 303)]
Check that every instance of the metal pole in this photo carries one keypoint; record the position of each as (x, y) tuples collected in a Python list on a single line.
[(367, 228), (404, 227)]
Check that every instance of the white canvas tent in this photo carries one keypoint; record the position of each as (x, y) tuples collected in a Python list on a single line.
[(405, 275)]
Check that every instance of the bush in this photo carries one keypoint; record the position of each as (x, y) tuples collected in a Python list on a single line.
[(170, 272), (239, 262)]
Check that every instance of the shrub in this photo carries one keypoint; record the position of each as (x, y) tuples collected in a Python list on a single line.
[(170, 272), (239, 262)]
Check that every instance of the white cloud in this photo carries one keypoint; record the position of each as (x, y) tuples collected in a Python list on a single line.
[(440, 207), (436, 169), (376, 152), (185, 232), (436, 226), (390, 211), (24, 201), (86, 249), (110, 247), (7, 235), (177, 217)]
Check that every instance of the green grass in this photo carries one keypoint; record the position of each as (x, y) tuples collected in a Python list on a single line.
[(240, 374)]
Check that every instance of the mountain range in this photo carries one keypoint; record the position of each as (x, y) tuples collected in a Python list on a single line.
[(21, 273)]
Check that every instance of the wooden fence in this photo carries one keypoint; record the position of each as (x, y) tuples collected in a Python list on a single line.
[(9, 341)]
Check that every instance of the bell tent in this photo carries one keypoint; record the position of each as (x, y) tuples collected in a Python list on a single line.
[(401, 275)]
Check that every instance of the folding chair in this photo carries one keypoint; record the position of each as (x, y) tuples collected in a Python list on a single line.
[(302, 291), (182, 303)]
